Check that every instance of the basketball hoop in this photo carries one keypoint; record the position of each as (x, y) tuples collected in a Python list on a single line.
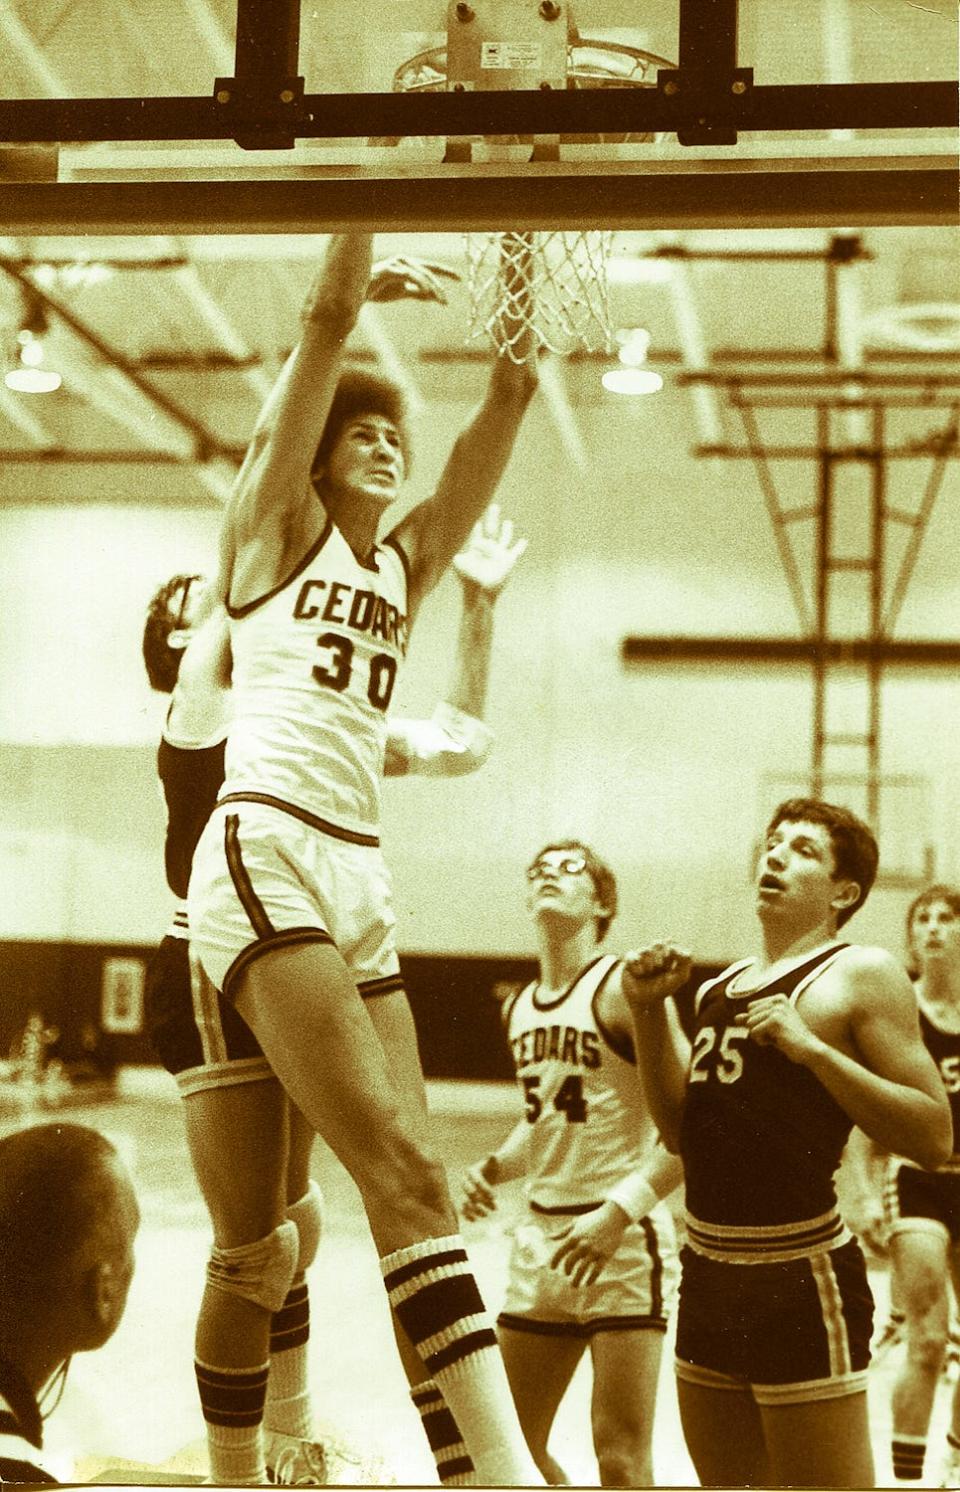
[(589, 64), (554, 284)]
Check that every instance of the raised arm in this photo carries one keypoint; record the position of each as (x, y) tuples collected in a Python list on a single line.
[(650, 977), (455, 741), (273, 514), (433, 532), (199, 706)]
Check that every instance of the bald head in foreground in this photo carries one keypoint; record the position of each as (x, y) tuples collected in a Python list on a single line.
[(68, 1220)]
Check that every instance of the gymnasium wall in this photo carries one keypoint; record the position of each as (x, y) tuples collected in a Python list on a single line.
[(667, 771)]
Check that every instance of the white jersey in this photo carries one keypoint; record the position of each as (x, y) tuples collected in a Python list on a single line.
[(588, 1123), (314, 667)]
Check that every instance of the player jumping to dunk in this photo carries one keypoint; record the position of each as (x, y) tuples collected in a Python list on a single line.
[(245, 1136), (289, 902)]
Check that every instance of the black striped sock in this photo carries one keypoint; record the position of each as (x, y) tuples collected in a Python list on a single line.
[(435, 1298), (288, 1392), (907, 1453), (290, 1326), (232, 1400), (454, 1466)]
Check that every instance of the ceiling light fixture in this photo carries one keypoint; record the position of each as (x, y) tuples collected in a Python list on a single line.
[(28, 375), (631, 377), (632, 381)]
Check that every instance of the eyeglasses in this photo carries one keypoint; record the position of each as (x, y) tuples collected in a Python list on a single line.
[(570, 865)]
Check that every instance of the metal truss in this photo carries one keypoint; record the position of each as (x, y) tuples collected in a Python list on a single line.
[(835, 395)]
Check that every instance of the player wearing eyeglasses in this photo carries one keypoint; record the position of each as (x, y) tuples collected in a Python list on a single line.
[(593, 1264)]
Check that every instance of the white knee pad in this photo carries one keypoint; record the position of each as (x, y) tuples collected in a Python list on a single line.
[(260, 1272), (307, 1213)]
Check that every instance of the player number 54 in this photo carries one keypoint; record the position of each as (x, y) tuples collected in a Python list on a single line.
[(568, 1099)]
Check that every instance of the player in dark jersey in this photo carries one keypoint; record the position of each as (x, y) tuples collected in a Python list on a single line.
[(921, 1210), (230, 1091), (593, 1264), (789, 1051), (68, 1221)]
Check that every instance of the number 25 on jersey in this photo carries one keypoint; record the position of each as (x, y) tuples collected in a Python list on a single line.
[(722, 1059)]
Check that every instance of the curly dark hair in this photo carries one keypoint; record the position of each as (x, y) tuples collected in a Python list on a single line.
[(856, 854), (165, 615), (361, 392), (603, 878)]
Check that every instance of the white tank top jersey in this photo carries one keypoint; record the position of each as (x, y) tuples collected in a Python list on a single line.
[(588, 1123), (315, 661)]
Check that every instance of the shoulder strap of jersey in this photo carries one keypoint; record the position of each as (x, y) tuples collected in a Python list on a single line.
[(237, 613), (392, 542), (619, 1042), (805, 973), (510, 1003), (723, 978)]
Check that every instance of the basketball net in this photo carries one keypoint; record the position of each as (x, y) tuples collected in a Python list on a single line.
[(551, 284)]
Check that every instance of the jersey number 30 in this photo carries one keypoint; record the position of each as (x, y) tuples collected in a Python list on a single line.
[(336, 673), (568, 1099)]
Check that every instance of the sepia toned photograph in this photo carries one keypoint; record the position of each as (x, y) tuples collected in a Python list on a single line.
[(479, 743)]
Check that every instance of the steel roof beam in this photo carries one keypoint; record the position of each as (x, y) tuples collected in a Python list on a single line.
[(941, 652)]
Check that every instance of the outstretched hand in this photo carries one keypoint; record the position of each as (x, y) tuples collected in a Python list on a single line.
[(400, 278), (490, 553)]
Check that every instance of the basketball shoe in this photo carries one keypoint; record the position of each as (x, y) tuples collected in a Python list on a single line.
[(294, 1462)]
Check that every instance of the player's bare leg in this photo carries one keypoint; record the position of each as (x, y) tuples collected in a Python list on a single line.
[(540, 1368), (302, 1002), (393, 1022), (822, 1444), (626, 1369), (920, 1262), (724, 1435), (950, 1470), (237, 1136)]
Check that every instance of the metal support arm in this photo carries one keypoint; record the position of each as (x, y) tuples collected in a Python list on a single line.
[(813, 106)]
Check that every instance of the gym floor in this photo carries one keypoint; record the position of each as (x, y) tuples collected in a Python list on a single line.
[(135, 1401)]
